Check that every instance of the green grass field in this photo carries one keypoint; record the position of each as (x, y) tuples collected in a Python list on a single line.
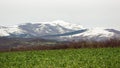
[(71, 58)]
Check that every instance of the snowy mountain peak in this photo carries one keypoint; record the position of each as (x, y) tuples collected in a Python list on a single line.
[(39, 29), (49, 28), (58, 23)]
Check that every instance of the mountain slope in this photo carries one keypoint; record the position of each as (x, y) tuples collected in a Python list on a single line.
[(97, 34), (7, 31), (49, 28)]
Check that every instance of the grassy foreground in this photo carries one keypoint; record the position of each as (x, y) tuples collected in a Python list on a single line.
[(71, 58)]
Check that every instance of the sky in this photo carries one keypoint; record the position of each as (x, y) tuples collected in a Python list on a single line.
[(88, 13)]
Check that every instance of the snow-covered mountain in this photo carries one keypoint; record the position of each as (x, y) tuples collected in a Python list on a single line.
[(7, 31), (96, 34), (49, 28), (40, 29), (58, 30)]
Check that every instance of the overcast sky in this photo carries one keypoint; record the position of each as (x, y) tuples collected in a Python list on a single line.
[(89, 13)]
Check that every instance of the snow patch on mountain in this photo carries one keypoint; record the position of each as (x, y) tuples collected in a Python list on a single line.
[(6, 31), (96, 34)]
